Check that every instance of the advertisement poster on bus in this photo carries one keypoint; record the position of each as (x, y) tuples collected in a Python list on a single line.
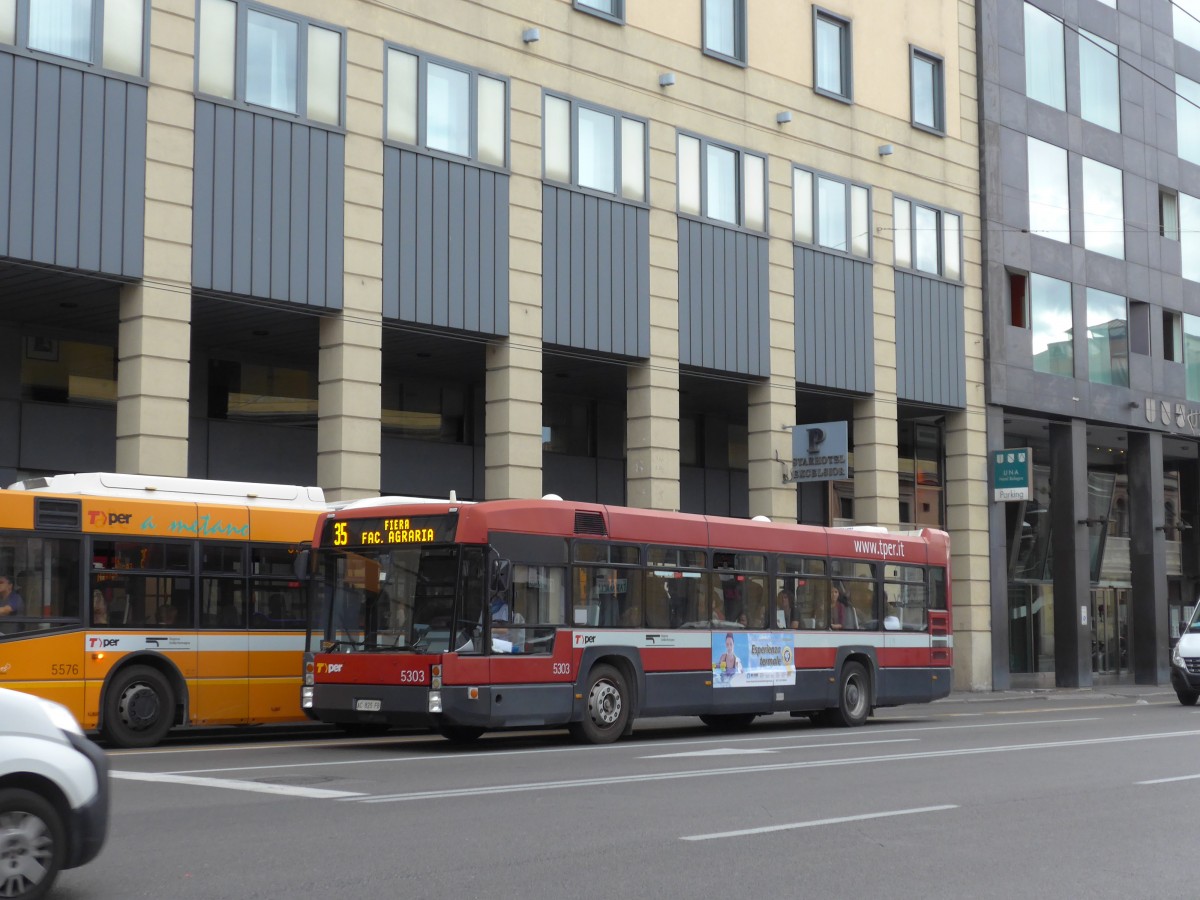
[(749, 658)]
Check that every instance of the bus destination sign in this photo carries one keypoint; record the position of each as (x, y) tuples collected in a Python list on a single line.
[(390, 530)]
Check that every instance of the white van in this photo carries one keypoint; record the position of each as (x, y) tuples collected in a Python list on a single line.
[(54, 795), (1185, 661)]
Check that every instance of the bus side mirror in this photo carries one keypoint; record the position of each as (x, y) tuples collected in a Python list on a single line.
[(501, 577), (300, 564)]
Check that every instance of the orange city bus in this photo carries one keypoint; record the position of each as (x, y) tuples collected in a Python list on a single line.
[(147, 602), (543, 613)]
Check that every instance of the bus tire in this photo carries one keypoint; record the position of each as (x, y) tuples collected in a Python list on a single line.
[(607, 710), (139, 707), (35, 844), (729, 722), (460, 734), (854, 698)]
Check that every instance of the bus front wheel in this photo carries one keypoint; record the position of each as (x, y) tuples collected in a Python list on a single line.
[(607, 710), (139, 708), (854, 697)]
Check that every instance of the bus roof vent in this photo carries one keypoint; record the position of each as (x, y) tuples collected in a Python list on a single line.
[(590, 523), (59, 515)]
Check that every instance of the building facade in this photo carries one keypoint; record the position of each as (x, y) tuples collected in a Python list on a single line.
[(1091, 174), (608, 249)]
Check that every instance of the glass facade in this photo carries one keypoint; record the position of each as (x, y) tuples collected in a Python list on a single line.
[(1103, 209), (1049, 203), (1052, 325), (1108, 338), (1099, 81), (1045, 66)]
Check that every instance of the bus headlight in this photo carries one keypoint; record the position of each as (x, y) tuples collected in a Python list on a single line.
[(306, 697), (435, 679), (435, 701)]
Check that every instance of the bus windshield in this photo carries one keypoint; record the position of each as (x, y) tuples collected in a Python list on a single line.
[(401, 597)]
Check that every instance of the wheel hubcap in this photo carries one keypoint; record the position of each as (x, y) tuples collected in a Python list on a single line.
[(139, 707), (854, 696), (26, 849), (605, 703)]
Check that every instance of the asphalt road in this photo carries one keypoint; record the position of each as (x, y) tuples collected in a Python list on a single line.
[(1085, 795)]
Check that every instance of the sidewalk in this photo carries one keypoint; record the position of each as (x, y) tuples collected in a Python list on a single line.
[(1145, 692)]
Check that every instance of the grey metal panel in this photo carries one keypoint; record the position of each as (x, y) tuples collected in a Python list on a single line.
[(6, 143), (45, 166), (281, 210), (301, 187), (260, 204), (243, 200), (723, 299), (24, 123), (70, 147), (445, 243), (834, 321), (929, 341), (318, 200), (595, 273), (72, 167), (221, 237)]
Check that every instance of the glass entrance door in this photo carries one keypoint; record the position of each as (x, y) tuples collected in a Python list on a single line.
[(1110, 630)]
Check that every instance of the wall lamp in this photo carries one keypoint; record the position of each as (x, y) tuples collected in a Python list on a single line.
[(531, 35), (666, 79), (886, 150), (782, 118)]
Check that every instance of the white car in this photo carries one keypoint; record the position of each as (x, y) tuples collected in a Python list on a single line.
[(54, 795)]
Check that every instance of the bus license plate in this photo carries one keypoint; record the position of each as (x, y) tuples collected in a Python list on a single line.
[(368, 705)]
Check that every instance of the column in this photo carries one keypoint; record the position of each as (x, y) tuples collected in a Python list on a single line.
[(350, 361), (998, 552), (1072, 578), (513, 383), (773, 403), (154, 331), (1148, 560), (652, 466)]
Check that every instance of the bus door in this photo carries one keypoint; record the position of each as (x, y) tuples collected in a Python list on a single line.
[(222, 691), (906, 624)]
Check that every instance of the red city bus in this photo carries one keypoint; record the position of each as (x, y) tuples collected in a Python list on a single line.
[(540, 613)]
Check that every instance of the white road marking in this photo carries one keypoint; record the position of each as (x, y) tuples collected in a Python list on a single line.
[(286, 790), (603, 748), (767, 829), (754, 770), (1168, 780), (734, 751)]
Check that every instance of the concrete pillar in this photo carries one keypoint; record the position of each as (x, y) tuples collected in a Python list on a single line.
[(652, 464), (773, 403), (350, 362), (876, 460), (1148, 559), (513, 415), (967, 505), (1072, 578), (154, 333)]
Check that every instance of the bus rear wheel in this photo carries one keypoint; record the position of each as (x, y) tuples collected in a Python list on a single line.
[(139, 708), (607, 710), (854, 698)]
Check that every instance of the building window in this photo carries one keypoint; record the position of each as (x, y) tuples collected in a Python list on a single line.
[(927, 239), (1191, 354), (594, 148), (1189, 236), (1045, 66), (1185, 19), (831, 55), (1049, 203), (831, 213), (60, 371), (1187, 118), (1172, 336), (442, 106), (107, 33), (1052, 325), (287, 64), (425, 410), (1107, 338), (1168, 214), (928, 91), (1099, 81), (258, 392), (1139, 327), (722, 183), (725, 29), (1103, 209), (1018, 299), (613, 10)]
